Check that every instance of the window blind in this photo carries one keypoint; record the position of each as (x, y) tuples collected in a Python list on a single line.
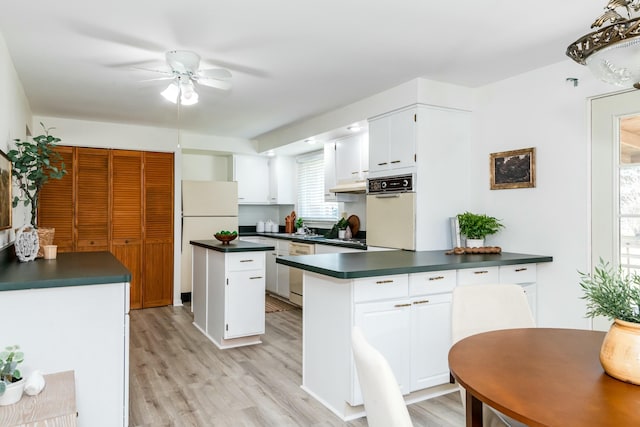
[(311, 204)]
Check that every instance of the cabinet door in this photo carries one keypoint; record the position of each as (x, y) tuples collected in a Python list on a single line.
[(244, 304), (386, 326), (126, 216), (430, 340), (281, 180), (55, 208), (348, 159), (157, 288), (329, 161), (402, 139), (92, 199), (271, 271), (252, 175), (379, 144)]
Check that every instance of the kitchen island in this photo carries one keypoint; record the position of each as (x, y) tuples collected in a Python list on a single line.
[(402, 302), (72, 314), (229, 291)]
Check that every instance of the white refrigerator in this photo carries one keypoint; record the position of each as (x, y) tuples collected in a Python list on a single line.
[(207, 207)]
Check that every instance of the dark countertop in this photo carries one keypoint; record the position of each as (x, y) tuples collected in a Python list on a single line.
[(370, 264), (233, 246), (68, 269), (354, 244)]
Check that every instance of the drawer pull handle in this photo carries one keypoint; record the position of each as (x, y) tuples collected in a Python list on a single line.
[(425, 301), (402, 305), (436, 278), (246, 260), (382, 164), (255, 277), (521, 269), (395, 161), (481, 272), (381, 282)]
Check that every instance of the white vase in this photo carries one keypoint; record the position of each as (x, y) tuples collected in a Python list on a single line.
[(342, 234), (475, 243), (13, 393), (27, 243)]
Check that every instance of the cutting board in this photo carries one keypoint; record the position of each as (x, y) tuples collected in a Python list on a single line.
[(354, 224)]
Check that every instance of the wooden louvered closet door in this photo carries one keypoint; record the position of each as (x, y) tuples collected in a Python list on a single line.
[(126, 216), (158, 232), (55, 208), (92, 199)]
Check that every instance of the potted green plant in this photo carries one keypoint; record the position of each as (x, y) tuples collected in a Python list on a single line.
[(342, 225), (33, 164), (475, 227), (11, 381), (611, 293)]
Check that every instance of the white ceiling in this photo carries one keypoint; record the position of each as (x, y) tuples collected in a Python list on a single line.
[(290, 59)]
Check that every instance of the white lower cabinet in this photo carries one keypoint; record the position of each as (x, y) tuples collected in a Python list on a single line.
[(228, 300), (430, 340), (387, 327), (277, 275)]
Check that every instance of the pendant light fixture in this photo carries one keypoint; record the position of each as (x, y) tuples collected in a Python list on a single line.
[(612, 53)]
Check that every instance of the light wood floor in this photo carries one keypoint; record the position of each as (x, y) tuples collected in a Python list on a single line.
[(179, 378)]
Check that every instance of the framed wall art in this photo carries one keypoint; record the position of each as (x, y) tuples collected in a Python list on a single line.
[(513, 169), (5, 192)]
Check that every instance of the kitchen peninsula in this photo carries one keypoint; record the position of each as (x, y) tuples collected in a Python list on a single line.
[(72, 314), (229, 291), (402, 302)]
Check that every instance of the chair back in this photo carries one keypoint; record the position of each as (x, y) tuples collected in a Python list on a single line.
[(482, 308), (383, 400)]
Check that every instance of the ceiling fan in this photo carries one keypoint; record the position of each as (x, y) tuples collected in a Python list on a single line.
[(185, 72)]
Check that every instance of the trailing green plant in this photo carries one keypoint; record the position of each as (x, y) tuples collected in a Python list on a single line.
[(9, 360), (611, 293), (342, 224), (478, 226), (33, 164)]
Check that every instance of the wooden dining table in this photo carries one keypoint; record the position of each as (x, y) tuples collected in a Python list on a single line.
[(542, 377)]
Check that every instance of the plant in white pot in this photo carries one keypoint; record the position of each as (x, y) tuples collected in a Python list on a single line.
[(613, 294), (33, 165), (475, 227), (11, 381)]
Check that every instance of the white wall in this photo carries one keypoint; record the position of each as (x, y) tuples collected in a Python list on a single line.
[(204, 166), (15, 117), (540, 109)]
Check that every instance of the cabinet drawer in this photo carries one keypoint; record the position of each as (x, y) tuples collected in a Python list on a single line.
[(432, 282), (381, 287), (518, 273), (478, 276), (245, 261)]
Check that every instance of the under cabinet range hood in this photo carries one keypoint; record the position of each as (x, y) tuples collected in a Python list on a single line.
[(350, 187)]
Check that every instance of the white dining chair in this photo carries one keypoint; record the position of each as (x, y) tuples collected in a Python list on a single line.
[(482, 308), (383, 400)]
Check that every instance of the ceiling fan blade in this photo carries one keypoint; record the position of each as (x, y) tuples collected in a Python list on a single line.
[(215, 73), (155, 70), (218, 84), (158, 78)]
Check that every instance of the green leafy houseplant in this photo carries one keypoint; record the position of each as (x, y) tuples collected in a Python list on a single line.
[(299, 223), (611, 293), (9, 360), (33, 164), (342, 224), (478, 226)]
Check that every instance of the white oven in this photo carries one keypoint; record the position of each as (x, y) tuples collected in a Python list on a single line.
[(391, 212)]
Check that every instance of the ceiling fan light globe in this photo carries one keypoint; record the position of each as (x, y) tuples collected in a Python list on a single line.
[(171, 93), (189, 100), (617, 64)]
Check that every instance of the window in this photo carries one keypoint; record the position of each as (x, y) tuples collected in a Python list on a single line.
[(311, 204), (629, 194)]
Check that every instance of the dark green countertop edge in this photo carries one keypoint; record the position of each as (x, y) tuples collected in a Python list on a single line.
[(67, 270), (379, 263), (233, 246)]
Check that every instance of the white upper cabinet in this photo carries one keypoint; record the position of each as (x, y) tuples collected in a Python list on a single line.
[(392, 142), (352, 158), (264, 180), (281, 180), (252, 175), (330, 178)]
